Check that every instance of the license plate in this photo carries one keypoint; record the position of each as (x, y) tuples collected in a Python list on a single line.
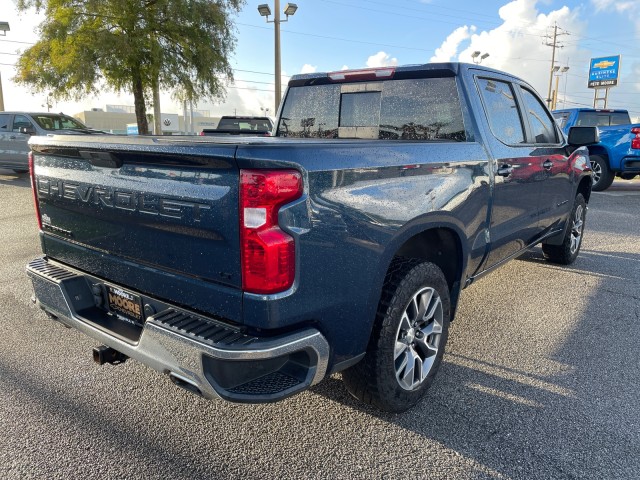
[(125, 305)]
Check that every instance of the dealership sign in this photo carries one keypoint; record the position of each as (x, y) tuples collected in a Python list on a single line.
[(603, 72)]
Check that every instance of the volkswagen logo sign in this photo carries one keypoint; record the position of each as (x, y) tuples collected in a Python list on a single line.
[(167, 122)]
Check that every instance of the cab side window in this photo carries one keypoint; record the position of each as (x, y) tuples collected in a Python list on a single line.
[(502, 111), (542, 127), (21, 121)]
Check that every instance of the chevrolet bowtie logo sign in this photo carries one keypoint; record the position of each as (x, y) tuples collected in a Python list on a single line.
[(604, 64), (604, 71)]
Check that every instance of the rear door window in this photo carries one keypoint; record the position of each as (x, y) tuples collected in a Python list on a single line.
[(502, 111), (412, 109)]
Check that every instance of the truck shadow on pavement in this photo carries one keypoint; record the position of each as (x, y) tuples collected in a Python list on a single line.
[(9, 177), (570, 408), (101, 432)]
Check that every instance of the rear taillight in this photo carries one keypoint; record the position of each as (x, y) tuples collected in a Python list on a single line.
[(635, 142), (34, 190), (267, 252)]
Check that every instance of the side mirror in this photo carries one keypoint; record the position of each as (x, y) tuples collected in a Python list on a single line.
[(27, 130), (579, 136)]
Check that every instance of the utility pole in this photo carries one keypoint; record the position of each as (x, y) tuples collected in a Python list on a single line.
[(554, 45), (4, 28)]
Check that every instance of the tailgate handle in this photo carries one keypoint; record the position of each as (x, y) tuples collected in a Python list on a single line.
[(101, 159), (547, 165)]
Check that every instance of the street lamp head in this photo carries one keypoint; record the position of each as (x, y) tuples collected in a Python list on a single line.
[(556, 69), (4, 28), (264, 10), (290, 9), (475, 54), (564, 69), (484, 56)]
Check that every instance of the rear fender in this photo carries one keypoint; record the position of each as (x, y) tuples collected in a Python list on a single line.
[(415, 227)]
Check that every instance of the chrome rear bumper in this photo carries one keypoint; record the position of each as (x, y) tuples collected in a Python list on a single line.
[(201, 354)]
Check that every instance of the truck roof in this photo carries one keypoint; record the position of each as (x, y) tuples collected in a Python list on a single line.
[(448, 69), (585, 109)]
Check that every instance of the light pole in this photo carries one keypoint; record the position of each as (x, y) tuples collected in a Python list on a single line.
[(557, 72), (265, 110), (265, 11), (478, 56), (4, 28)]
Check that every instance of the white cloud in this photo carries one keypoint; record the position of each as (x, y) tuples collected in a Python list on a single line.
[(619, 6), (449, 47), (625, 7), (518, 47), (345, 67), (306, 68), (381, 59), (244, 99)]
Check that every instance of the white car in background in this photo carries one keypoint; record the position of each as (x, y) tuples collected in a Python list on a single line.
[(17, 127)]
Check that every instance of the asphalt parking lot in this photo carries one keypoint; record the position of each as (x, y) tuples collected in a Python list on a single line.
[(540, 380)]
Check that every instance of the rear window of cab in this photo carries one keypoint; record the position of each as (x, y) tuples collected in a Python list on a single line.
[(412, 109)]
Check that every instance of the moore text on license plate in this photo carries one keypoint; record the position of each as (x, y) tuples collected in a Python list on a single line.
[(125, 305)]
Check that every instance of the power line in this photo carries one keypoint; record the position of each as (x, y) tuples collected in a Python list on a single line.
[(391, 12), (328, 37), (16, 41)]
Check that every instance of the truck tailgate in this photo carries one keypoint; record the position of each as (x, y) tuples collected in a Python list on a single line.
[(161, 214)]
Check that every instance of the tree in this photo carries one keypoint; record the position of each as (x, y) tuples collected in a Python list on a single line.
[(128, 45)]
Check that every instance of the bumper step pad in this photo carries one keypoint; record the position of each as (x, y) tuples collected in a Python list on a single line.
[(202, 329)]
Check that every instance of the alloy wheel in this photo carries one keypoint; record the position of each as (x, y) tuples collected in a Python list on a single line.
[(418, 338), (596, 172), (576, 229)]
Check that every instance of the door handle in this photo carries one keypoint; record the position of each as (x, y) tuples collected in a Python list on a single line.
[(505, 170), (547, 164)]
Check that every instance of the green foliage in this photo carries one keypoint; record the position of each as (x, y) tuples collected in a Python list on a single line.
[(127, 45)]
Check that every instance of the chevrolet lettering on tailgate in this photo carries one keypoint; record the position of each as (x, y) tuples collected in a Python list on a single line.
[(121, 199)]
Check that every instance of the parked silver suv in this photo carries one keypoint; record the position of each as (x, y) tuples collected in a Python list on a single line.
[(17, 127)]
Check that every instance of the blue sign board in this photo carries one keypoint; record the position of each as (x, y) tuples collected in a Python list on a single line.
[(132, 129), (603, 72)]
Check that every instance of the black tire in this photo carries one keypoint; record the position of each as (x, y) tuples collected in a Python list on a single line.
[(567, 252), (376, 380), (602, 175)]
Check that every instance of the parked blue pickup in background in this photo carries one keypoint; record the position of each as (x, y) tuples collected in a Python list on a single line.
[(618, 151)]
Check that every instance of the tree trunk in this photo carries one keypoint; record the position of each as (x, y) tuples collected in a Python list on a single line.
[(140, 107), (157, 115)]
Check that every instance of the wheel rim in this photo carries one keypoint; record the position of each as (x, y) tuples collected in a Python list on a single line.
[(576, 229), (596, 172), (418, 338)]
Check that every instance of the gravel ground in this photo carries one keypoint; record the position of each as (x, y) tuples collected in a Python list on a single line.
[(540, 380)]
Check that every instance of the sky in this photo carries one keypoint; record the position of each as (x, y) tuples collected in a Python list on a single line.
[(329, 35)]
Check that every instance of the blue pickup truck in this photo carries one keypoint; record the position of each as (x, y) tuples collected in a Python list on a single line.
[(250, 268), (618, 151)]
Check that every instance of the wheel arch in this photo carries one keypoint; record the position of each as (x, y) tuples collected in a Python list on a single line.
[(600, 151), (584, 187), (432, 238)]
